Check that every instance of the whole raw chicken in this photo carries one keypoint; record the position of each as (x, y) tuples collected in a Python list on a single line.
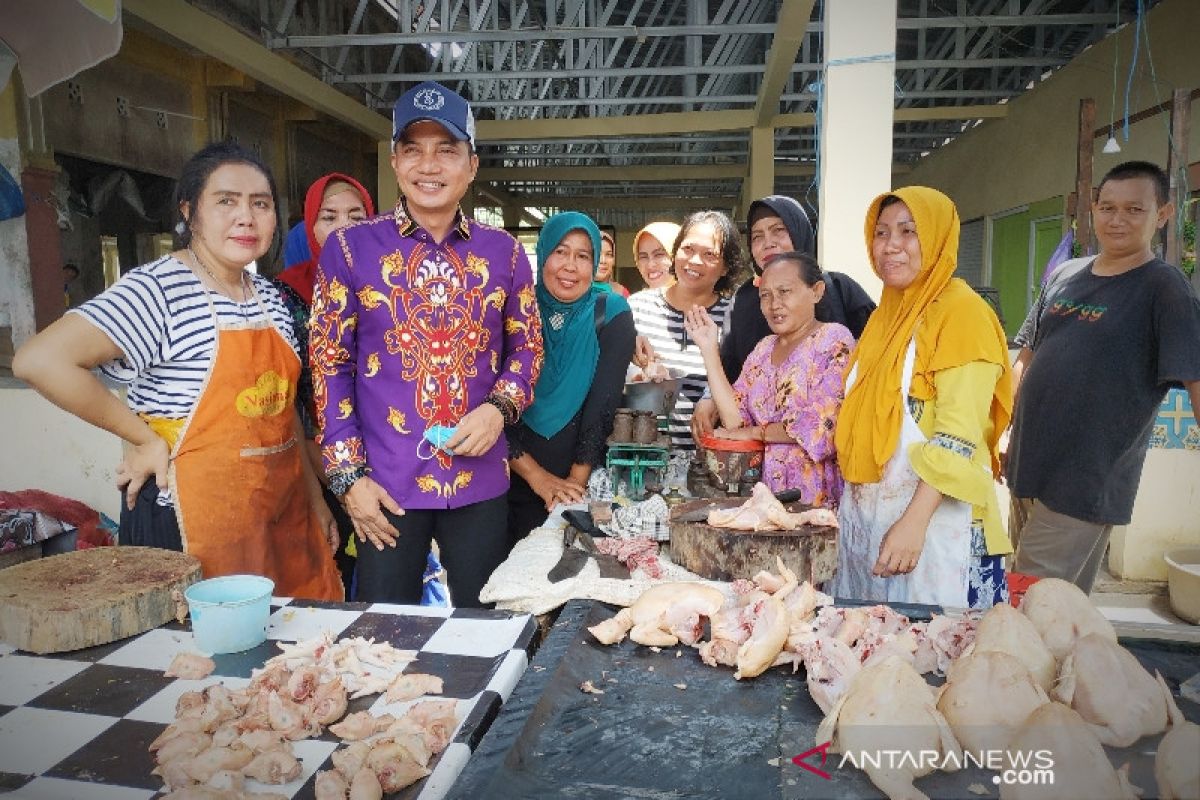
[(986, 697), (1118, 699), (1176, 767), (663, 616), (764, 512), (1006, 630), (1061, 613), (1081, 768), (889, 706)]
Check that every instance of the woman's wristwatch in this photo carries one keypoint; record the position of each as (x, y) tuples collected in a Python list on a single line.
[(341, 481)]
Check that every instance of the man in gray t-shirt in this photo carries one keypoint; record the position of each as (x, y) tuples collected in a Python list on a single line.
[(1108, 336)]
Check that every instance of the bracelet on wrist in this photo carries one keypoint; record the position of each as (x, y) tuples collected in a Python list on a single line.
[(341, 481), (507, 409)]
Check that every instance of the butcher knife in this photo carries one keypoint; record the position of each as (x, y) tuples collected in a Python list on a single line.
[(573, 559)]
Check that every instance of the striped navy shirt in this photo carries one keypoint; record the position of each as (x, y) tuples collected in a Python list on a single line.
[(158, 314), (663, 326)]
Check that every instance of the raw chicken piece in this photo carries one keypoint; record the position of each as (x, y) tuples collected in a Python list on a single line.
[(330, 785), (189, 704), (412, 685), (365, 786), (174, 731), (202, 766), (329, 702), (986, 697), (890, 707), (663, 616), (348, 760), (303, 682), (830, 665), (360, 725), (291, 719), (1062, 613), (273, 766), (174, 773), (416, 738), (766, 640), (437, 720), (1176, 768), (1111, 690), (763, 512), (228, 780), (394, 767), (1081, 768), (190, 667), (184, 746), (940, 641), (729, 628), (1006, 630)]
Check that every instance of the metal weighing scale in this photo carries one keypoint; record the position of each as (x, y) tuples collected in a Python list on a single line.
[(629, 462)]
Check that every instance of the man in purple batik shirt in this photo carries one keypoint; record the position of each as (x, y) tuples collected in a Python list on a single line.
[(424, 319)]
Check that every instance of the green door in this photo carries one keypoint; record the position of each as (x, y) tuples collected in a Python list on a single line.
[(1047, 233), (1010, 267)]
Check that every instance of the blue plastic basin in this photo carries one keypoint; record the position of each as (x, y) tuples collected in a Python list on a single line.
[(229, 614)]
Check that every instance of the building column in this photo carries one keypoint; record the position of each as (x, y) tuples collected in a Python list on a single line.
[(45, 250), (389, 191), (856, 130), (760, 177)]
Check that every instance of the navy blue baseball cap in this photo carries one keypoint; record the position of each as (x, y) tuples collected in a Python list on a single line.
[(434, 102)]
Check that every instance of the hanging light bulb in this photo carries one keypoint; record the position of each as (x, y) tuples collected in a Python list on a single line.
[(1111, 145)]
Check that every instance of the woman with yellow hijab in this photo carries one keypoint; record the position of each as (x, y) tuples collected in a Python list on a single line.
[(928, 394)]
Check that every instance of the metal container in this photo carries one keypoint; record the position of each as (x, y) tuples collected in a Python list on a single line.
[(649, 396), (726, 461)]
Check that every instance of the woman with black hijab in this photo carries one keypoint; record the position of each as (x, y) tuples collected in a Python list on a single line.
[(777, 224)]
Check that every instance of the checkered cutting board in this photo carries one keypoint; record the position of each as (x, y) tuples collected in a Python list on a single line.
[(77, 725)]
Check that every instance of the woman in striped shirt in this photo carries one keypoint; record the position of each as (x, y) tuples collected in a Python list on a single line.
[(207, 351), (708, 264)]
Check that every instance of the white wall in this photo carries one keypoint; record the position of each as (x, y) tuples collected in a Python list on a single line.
[(46, 448)]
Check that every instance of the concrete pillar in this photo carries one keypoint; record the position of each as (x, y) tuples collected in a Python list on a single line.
[(856, 130), (389, 191), (45, 253), (760, 177)]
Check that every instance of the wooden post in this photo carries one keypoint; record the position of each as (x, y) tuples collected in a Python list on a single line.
[(1177, 162), (1083, 175)]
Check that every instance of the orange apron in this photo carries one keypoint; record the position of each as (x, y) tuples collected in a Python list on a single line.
[(236, 473)]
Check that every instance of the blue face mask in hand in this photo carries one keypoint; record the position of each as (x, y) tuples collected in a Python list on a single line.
[(438, 435)]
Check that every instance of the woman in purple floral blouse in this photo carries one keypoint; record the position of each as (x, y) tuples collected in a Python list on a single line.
[(790, 388)]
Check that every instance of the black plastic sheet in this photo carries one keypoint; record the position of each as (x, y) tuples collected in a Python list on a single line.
[(646, 737)]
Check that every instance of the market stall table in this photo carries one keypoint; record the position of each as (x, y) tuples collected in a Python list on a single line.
[(666, 725), (78, 724)]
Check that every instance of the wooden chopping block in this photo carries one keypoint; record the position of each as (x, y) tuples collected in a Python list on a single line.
[(90, 597), (721, 554)]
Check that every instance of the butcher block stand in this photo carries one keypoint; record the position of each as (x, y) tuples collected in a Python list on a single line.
[(90, 597), (722, 554)]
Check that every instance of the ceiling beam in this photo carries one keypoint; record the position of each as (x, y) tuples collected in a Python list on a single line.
[(215, 38), (634, 125), (550, 32), (790, 29)]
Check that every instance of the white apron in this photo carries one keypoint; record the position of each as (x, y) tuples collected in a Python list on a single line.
[(869, 509)]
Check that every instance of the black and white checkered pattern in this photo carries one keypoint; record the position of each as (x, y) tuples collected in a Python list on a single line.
[(78, 724)]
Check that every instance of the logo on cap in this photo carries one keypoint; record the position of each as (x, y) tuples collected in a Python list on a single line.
[(429, 100)]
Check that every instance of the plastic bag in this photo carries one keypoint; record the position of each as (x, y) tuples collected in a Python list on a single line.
[(12, 201)]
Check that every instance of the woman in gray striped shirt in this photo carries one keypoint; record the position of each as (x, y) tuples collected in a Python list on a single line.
[(708, 264)]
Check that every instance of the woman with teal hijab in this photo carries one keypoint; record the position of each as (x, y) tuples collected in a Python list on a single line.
[(588, 338)]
